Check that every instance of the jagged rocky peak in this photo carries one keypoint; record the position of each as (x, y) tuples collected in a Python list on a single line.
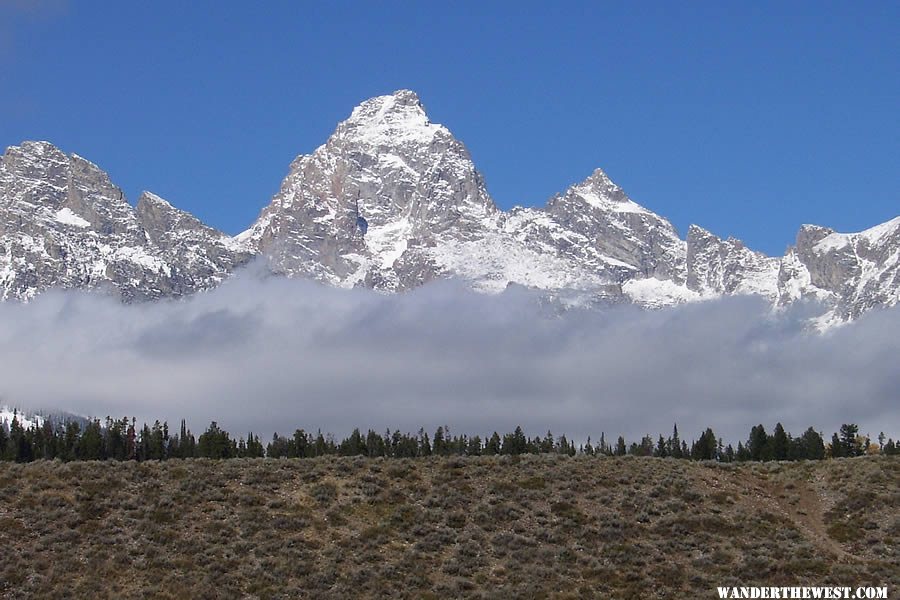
[(392, 120), (405, 166), (392, 200), (386, 184), (39, 162), (187, 241), (159, 218), (717, 266), (73, 191), (852, 271), (620, 228), (63, 223), (600, 188)]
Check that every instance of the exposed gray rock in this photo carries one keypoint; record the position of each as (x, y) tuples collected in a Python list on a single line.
[(717, 266), (201, 253), (388, 185), (853, 272), (64, 224), (621, 229), (392, 201)]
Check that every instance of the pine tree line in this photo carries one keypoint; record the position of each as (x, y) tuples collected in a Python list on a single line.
[(120, 439)]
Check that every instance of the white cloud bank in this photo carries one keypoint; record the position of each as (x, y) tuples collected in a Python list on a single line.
[(273, 354)]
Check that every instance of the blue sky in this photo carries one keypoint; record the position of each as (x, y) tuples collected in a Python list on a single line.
[(748, 118)]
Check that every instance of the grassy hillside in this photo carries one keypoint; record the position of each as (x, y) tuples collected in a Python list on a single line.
[(494, 527)]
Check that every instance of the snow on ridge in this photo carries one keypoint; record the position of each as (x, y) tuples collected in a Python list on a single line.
[(425, 204), (876, 233), (654, 293), (157, 199), (7, 415), (67, 217), (140, 256), (494, 261), (603, 203), (390, 120), (836, 241)]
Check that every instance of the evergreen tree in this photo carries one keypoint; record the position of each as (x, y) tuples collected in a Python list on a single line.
[(780, 443), (131, 440), (890, 448), (71, 437), (588, 448), (547, 443), (375, 445), (492, 447), (706, 447), (758, 444), (424, 444), (813, 445), (353, 445), (742, 453), (515, 442), (473, 448), (215, 443), (321, 446), (837, 447), (254, 448), (278, 447), (729, 454), (439, 447), (19, 442), (662, 449), (851, 446), (675, 443), (90, 445)]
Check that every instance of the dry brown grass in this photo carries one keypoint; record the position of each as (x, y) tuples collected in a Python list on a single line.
[(486, 527)]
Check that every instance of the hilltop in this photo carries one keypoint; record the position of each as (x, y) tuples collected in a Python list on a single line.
[(545, 526)]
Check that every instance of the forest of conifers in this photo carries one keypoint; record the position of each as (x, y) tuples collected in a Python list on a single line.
[(121, 439)]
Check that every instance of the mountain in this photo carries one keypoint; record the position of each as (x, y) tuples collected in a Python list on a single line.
[(64, 224), (28, 418), (392, 201)]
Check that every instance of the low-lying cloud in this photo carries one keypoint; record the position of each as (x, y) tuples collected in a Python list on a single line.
[(269, 354)]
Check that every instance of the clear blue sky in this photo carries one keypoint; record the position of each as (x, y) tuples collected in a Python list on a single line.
[(748, 118)]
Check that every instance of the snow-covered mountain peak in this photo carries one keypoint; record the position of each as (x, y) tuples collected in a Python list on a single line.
[(364, 207), (599, 181), (620, 229), (599, 191), (37, 148), (392, 120), (392, 200), (698, 231), (63, 223)]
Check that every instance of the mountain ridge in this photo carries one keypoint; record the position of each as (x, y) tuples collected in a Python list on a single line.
[(391, 201)]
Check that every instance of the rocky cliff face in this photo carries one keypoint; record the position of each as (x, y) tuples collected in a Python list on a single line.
[(852, 272), (392, 201), (717, 266), (64, 224), (369, 206)]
